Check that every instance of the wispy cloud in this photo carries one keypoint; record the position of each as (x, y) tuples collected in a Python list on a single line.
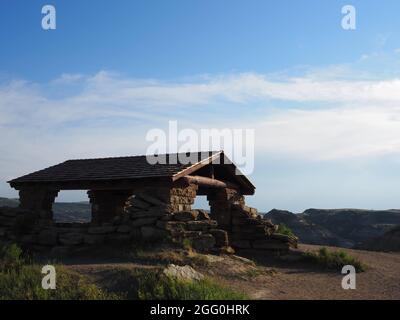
[(324, 113)]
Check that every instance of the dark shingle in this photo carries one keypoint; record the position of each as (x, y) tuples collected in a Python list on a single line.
[(109, 169)]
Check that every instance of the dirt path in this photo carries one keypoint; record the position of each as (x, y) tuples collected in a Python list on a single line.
[(296, 280), (281, 279)]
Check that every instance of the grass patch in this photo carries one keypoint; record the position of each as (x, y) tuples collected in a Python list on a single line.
[(20, 280), (152, 284), (160, 287), (25, 284), (334, 259), (196, 259), (284, 229), (187, 244), (10, 257), (176, 256)]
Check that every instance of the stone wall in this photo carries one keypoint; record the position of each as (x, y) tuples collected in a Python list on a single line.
[(250, 231), (153, 214), (246, 229), (145, 218)]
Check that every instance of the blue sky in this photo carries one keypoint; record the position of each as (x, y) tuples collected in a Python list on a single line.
[(324, 102)]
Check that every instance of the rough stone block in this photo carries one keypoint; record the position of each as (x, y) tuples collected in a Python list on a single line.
[(201, 225), (139, 203), (227, 250), (186, 215), (118, 238), (241, 244), (9, 212), (135, 234), (60, 251), (143, 222), (147, 214), (71, 239), (202, 215), (29, 238), (7, 221), (251, 228), (47, 237), (185, 273), (151, 233), (171, 225), (151, 200), (281, 237), (204, 242), (101, 230), (124, 229), (270, 245), (221, 237), (94, 239), (248, 236)]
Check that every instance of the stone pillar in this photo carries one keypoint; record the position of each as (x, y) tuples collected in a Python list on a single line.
[(38, 200), (182, 198), (221, 201), (107, 204)]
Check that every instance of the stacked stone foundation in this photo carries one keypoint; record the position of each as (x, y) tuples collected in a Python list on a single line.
[(147, 217), (151, 215), (250, 231)]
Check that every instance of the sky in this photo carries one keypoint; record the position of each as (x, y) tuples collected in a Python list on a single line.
[(324, 102)]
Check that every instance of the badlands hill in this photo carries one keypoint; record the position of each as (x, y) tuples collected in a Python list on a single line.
[(346, 228)]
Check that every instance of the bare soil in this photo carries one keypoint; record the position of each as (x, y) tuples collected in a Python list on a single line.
[(286, 277)]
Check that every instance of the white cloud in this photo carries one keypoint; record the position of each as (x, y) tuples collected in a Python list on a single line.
[(338, 133), (107, 114)]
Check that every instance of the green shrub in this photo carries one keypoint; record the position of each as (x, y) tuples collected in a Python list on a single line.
[(187, 244), (159, 287), (26, 284), (10, 257), (334, 259), (197, 259), (152, 284), (283, 229)]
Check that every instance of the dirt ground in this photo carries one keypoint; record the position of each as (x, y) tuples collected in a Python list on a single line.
[(289, 277), (299, 280)]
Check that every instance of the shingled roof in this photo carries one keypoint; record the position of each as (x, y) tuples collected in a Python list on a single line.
[(78, 173), (134, 167)]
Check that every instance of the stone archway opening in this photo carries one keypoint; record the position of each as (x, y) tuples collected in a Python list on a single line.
[(201, 202), (72, 206)]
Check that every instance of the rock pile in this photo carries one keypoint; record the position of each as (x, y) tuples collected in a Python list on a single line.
[(156, 220), (250, 231)]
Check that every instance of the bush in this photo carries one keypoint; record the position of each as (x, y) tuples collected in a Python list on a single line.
[(10, 257), (160, 287), (20, 280), (26, 284), (152, 284), (187, 244), (283, 229), (334, 259)]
